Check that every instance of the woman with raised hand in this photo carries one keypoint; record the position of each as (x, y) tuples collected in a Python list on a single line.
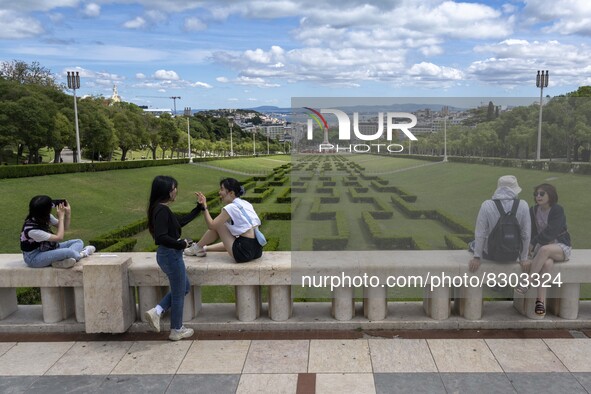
[(550, 241), (165, 227), (40, 246), (235, 226)]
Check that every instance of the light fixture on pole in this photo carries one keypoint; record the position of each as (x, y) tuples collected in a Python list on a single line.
[(254, 149), (231, 124), (445, 138), (74, 83), (267, 141), (541, 82), (188, 115)]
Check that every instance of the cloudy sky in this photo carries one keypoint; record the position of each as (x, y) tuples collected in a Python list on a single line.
[(237, 54)]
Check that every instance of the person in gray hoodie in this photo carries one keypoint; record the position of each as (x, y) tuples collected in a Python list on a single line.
[(507, 190)]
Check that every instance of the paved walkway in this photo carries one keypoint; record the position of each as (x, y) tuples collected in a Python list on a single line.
[(554, 361)]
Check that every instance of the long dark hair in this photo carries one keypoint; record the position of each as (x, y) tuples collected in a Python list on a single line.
[(162, 185), (232, 185), (39, 210)]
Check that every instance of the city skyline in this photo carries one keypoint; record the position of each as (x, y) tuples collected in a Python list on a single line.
[(228, 54)]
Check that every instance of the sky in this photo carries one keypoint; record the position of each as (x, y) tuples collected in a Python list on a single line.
[(245, 54)]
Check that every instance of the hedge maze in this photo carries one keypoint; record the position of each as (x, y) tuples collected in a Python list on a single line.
[(364, 211), (329, 202)]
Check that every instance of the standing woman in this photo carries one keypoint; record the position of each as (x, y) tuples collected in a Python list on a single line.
[(234, 225), (550, 240), (40, 246), (165, 227)]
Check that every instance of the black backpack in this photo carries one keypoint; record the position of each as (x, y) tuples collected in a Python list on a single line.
[(504, 242)]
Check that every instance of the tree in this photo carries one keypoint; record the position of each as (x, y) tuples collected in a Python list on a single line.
[(61, 135), (24, 73)]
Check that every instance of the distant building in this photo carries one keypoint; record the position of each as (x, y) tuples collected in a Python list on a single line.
[(115, 98), (158, 111)]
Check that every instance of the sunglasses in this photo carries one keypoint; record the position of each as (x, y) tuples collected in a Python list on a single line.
[(541, 194)]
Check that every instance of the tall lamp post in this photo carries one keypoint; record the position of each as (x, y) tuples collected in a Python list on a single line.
[(188, 115), (267, 142), (74, 83), (231, 124), (541, 82), (445, 138), (254, 149)]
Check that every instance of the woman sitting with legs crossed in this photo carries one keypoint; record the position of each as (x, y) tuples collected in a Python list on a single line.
[(550, 242), (234, 226)]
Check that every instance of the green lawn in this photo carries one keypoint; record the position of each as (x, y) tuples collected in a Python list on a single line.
[(103, 201)]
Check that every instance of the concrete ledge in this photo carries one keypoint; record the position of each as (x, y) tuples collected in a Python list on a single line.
[(316, 316)]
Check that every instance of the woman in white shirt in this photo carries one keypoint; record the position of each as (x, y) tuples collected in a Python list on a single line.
[(234, 226), (40, 246)]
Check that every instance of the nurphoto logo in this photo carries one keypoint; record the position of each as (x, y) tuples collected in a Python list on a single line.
[(344, 125)]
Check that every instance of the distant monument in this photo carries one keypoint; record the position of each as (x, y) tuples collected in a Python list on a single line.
[(115, 98)]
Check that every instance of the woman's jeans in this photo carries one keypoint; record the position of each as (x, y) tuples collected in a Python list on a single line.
[(65, 250), (172, 264)]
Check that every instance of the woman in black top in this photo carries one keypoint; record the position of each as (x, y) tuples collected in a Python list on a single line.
[(550, 241), (165, 227)]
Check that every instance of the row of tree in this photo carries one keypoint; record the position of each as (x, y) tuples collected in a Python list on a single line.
[(566, 131), (36, 112)]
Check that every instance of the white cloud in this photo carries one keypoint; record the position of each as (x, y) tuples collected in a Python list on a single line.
[(92, 10), (565, 16), (222, 79), (36, 5), (16, 26), (140, 76), (425, 70), (194, 24), (514, 62), (166, 75), (136, 23), (201, 85)]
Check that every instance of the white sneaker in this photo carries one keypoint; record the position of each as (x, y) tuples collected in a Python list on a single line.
[(183, 332), (65, 263), (87, 251), (153, 319), (195, 250)]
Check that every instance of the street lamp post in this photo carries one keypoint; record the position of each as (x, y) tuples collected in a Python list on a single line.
[(188, 115), (74, 83), (267, 142), (541, 82), (231, 123), (445, 139), (254, 149)]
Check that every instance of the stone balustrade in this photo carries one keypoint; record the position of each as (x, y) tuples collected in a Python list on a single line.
[(111, 292)]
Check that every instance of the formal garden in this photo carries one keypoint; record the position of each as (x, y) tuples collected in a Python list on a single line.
[(307, 202)]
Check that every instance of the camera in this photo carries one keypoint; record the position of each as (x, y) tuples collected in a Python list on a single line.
[(55, 203)]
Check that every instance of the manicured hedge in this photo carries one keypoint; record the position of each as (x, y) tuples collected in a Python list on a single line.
[(21, 171)]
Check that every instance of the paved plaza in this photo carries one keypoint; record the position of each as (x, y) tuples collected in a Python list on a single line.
[(430, 361)]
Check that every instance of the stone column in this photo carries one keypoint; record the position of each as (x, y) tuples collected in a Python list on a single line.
[(343, 303), (107, 295), (375, 305), (8, 302), (280, 302), (248, 302)]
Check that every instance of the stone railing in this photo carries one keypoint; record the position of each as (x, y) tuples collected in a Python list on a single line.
[(110, 292)]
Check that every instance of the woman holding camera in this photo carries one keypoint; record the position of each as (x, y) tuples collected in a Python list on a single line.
[(40, 246), (235, 226), (165, 227)]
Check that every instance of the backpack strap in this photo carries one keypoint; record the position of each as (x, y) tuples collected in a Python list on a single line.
[(514, 207), (500, 207)]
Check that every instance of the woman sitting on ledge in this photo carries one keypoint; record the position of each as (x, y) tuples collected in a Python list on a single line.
[(40, 246), (235, 226), (550, 241)]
